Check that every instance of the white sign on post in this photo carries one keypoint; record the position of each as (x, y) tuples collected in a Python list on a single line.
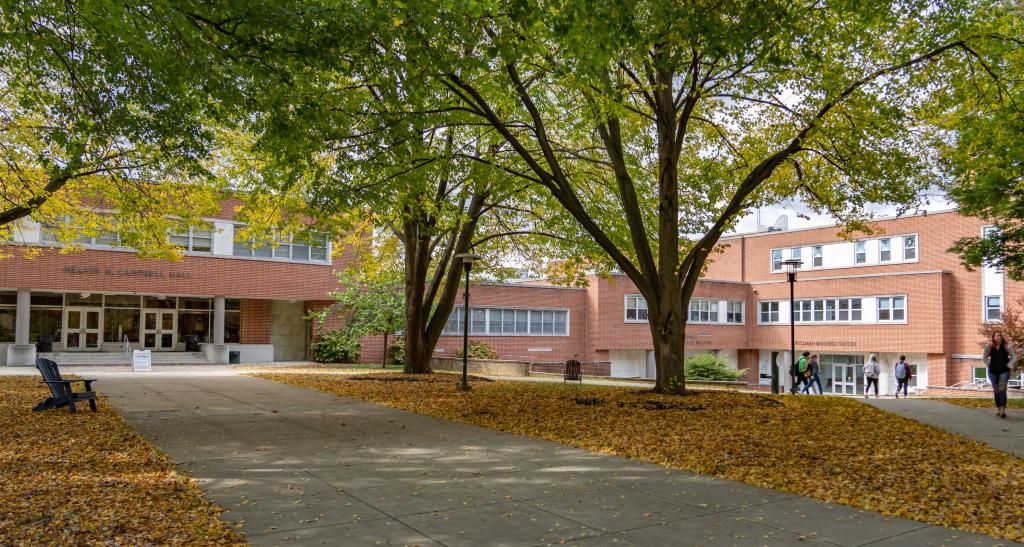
[(142, 360)]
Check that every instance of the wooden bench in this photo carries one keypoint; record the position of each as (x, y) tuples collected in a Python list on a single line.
[(573, 371), (60, 389)]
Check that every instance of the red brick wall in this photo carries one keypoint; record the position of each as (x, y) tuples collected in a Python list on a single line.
[(102, 271), (255, 322)]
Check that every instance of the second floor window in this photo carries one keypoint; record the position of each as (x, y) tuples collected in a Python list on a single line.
[(704, 311), (993, 308), (817, 256), (884, 250), (51, 233), (776, 260), (860, 252), (769, 312), (195, 240), (892, 308), (509, 322), (909, 247), (636, 308), (304, 248), (734, 312)]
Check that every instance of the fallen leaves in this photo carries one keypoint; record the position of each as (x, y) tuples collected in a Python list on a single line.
[(831, 449), (87, 478)]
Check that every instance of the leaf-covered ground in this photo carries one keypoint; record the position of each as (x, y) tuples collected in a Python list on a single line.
[(88, 479), (983, 402), (829, 448)]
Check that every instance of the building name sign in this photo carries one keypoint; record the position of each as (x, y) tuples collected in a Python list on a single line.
[(832, 344), (123, 272)]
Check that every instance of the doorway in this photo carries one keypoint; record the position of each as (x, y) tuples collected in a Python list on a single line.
[(159, 329), (83, 329)]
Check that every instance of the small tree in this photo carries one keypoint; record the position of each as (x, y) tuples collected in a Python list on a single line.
[(706, 366), (1011, 326)]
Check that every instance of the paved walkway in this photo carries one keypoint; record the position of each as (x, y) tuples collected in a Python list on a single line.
[(295, 466), (975, 423)]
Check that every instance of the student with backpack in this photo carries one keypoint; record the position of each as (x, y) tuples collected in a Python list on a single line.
[(903, 375), (813, 375), (872, 370), (799, 372)]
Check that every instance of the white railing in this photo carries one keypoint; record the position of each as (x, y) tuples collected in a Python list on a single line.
[(127, 345)]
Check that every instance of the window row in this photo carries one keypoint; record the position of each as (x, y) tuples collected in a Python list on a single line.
[(888, 251), (702, 310), (310, 247), (833, 310), (509, 322)]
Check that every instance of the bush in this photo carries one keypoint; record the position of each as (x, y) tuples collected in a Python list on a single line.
[(709, 367), (336, 346), (398, 351), (479, 350)]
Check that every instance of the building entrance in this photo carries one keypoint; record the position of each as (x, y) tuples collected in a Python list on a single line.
[(159, 329), (843, 374), (83, 329)]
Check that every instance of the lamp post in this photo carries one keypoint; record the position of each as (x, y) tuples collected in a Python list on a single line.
[(791, 265), (467, 264)]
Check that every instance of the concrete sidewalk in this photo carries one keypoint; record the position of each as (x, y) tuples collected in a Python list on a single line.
[(295, 466), (1006, 434)]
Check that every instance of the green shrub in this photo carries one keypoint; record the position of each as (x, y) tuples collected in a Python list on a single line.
[(706, 366), (336, 346), (398, 351), (479, 350)]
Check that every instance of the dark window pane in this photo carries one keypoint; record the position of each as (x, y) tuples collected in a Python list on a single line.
[(91, 300), (44, 321), (166, 303), (9, 298), (118, 323), (122, 301), (232, 327), (7, 317), (232, 304), (194, 303), (47, 299)]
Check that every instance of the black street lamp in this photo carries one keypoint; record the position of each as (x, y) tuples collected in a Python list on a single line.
[(791, 265), (467, 264)]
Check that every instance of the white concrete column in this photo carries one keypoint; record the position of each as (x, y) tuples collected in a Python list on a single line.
[(218, 319), (22, 352), (217, 352), (21, 324)]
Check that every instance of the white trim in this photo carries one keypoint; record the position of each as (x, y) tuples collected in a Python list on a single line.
[(893, 260), (876, 220), (487, 321), (626, 308), (855, 276)]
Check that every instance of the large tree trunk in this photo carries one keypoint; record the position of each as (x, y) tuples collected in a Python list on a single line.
[(417, 263), (667, 320)]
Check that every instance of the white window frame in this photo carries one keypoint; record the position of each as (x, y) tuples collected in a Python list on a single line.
[(776, 260), (277, 242), (884, 246), (860, 252), (731, 311), (632, 302), (190, 239), (817, 256), (913, 248), (776, 312), (891, 308), (707, 311), (988, 309), (458, 314)]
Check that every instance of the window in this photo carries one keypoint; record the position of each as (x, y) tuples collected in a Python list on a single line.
[(980, 374), (817, 256), (734, 312), (51, 232), (860, 252), (848, 309), (121, 318), (636, 308), (892, 308), (776, 260), (830, 310), (301, 248), (704, 311), (769, 312), (803, 310), (993, 308), (45, 316), (909, 247), (8, 307), (195, 240), (795, 253), (509, 322), (884, 250)]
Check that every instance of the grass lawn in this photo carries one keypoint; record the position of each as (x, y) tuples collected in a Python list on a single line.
[(87, 478), (829, 448)]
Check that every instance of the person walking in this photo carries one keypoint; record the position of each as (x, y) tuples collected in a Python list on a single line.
[(1000, 358), (902, 374), (799, 377), (813, 375), (872, 370)]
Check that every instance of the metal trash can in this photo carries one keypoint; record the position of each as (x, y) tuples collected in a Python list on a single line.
[(191, 343), (44, 344), (234, 357)]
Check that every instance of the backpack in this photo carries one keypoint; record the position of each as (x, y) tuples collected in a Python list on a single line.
[(901, 371)]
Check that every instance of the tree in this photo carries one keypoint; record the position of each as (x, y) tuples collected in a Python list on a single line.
[(371, 301), (97, 113), (656, 124)]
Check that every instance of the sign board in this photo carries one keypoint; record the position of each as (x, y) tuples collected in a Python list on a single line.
[(142, 360)]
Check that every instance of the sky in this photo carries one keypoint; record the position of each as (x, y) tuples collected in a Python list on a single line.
[(795, 212)]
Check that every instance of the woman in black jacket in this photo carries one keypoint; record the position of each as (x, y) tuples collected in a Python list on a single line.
[(1000, 359)]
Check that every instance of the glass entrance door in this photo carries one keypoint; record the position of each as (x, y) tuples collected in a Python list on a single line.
[(82, 329), (844, 379), (159, 329)]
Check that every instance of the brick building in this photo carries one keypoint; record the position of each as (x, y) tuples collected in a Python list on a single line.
[(897, 291), (224, 295)]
